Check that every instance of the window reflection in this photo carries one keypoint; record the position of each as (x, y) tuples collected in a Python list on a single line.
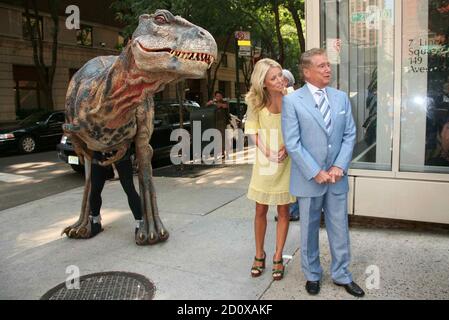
[(425, 91), (359, 38)]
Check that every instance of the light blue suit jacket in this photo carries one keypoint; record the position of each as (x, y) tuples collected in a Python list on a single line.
[(311, 147)]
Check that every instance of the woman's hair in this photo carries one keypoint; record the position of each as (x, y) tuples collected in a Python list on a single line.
[(258, 96)]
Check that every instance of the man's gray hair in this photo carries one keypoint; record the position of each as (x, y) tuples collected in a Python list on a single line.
[(306, 58), (289, 76)]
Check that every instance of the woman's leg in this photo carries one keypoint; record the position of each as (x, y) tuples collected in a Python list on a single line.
[(125, 172), (281, 232), (260, 228)]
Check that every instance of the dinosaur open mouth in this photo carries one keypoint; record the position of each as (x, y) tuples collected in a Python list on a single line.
[(193, 56)]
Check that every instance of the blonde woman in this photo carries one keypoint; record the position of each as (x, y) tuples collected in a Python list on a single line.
[(271, 171)]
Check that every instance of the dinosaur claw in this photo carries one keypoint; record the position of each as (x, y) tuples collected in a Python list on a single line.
[(163, 235), (153, 239)]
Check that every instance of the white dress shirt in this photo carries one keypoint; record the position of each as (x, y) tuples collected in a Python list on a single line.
[(315, 95)]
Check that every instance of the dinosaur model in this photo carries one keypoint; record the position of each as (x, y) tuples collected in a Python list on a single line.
[(109, 105)]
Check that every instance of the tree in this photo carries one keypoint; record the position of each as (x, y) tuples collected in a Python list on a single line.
[(276, 26), (220, 18), (297, 10), (45, 74)]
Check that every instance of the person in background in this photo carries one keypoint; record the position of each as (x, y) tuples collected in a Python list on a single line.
[(289, 83), (218, 101), (442, 157)]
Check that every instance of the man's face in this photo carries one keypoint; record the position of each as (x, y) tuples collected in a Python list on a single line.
[(218, 97), (319, 73)]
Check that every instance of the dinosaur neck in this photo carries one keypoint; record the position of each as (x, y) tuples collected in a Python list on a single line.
[(127, 87), (127, 80)]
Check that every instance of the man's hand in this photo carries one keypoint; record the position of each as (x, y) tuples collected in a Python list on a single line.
[(322, 177), (336, 174)]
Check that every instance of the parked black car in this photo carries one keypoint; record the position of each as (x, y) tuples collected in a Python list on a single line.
[(166, 119), (35, 131)]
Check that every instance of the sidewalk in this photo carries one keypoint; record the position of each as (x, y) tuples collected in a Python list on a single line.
[(210, 249)]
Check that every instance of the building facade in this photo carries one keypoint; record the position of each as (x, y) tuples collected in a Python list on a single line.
[(392, 58), (99, 35)]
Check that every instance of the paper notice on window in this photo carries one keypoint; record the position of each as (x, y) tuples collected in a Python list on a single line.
[(333, 47)]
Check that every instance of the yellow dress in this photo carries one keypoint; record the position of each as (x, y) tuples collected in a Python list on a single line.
[(269, 181)]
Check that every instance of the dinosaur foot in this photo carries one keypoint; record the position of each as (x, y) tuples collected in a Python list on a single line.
[(83, 231), (150, 238)]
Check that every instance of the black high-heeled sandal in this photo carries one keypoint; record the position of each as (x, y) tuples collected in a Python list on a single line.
[(278, 274), (256, 271)]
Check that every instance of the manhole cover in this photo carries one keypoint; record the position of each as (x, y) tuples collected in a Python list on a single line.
[(105, 286)]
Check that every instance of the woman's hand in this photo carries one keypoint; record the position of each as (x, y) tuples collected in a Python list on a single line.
[(282, 154), (278, 156)]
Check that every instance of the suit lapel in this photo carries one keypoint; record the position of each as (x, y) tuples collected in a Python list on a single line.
[(310, 105)]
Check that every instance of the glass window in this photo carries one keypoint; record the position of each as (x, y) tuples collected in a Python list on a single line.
[(224, 60), (28, 95), (84, 36), (425, 86), (57, 117), (359, 38), (35, 26)]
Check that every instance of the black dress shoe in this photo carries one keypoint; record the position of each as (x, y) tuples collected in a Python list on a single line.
[(352, 288), (313, 287)]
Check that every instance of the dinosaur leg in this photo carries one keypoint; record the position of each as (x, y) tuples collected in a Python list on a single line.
[(144, 153), (161, 230), (82, 228)]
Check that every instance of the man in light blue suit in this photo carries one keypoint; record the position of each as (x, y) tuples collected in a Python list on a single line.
[(319, 135)]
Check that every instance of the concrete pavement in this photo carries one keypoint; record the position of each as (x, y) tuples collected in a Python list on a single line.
[(210, 250)]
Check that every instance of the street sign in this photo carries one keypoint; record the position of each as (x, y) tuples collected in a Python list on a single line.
[(245, 51), (244, 43), (243, 35)]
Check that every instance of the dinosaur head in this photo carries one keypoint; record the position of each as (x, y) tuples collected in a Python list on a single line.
[(166, 43)]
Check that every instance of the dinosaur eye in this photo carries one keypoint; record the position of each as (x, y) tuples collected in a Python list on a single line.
[(160, 19)]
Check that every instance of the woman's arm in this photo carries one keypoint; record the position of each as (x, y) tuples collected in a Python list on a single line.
[(274, 156)]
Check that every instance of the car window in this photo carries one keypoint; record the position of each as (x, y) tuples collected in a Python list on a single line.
[(168, 114), (57, 117), (33, 118), (161, 115)]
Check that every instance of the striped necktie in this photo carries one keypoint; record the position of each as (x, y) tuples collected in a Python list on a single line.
[(324, 108)]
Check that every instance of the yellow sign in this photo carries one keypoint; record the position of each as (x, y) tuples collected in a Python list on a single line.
[(244, 43)]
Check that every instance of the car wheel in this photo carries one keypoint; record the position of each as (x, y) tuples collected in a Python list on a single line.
[(27, 144), (77, 168)]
